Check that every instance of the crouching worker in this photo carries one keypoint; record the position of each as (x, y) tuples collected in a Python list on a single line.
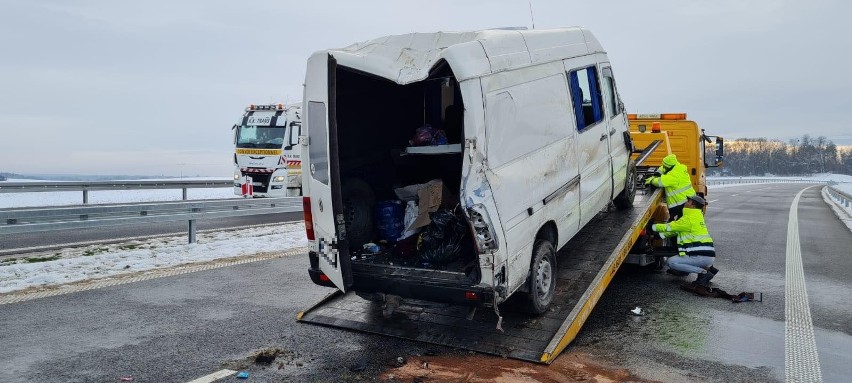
[(695, 247)]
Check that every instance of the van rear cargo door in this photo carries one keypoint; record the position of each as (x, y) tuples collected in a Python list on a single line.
[(323, 175)]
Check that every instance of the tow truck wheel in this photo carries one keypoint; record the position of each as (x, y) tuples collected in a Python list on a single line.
[(625, 199), (542, 279)]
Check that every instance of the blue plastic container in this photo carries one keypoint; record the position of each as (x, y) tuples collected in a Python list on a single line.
[(390, 216)]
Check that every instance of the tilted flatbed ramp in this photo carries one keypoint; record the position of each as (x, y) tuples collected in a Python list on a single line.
[(586, 265)]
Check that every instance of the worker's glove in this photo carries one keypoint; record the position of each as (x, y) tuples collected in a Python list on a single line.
[(649, 180), (662, 235), (681, 254)]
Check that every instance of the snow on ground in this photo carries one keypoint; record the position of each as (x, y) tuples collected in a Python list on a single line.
[(840, 210), (11, 200), (100, 261)]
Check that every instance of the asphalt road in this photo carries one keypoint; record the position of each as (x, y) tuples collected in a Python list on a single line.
[(18, 243), (179, 328)]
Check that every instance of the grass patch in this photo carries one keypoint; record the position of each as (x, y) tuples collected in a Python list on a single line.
[(8, 260), (42, 259), (128, 247), (91, 252)]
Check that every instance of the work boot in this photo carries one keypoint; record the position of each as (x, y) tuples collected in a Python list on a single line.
[(703, 279), (713, 270)]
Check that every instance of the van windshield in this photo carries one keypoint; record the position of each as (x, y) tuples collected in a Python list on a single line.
[(266, 137)]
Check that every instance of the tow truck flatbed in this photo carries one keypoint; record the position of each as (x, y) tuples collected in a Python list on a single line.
[(586, 265)]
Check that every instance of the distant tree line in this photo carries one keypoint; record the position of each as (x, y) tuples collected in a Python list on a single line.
[(798, 157)]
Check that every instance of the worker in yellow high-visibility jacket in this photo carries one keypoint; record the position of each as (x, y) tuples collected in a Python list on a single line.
[(674, 178), (696, 253)]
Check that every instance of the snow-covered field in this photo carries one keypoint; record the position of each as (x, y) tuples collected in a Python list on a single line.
[(10, 200)]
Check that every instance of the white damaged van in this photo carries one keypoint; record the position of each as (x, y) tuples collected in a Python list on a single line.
[(524, 129)]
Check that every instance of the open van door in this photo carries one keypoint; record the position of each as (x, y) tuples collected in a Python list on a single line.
[(323, 204)]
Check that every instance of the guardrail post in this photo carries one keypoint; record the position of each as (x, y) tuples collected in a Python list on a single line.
[(192, 231), (184, 194), (85, 197)]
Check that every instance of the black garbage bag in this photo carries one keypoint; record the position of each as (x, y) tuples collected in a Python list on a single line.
[(444, 240)]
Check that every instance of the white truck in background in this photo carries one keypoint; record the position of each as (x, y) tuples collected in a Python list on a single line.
[(266, 151)]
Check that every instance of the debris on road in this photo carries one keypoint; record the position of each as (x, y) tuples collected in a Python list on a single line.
[(358, 366), (267, 356), (243, 375), (637, 311), (127, 378), (478, 368)]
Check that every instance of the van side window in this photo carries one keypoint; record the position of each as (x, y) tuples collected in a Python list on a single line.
[(318, 142), (610, 94), (586, 97)]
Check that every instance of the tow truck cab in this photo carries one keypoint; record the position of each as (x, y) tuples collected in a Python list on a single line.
[(683, 138), (267, 150)]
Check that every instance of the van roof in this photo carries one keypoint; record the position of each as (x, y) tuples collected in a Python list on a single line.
[(410, 57)]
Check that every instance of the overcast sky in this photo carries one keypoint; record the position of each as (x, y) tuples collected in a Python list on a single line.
[(152, 87)]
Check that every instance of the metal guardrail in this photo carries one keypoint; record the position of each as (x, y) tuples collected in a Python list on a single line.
[(85, 187), (842, 198), (41, 219), (745, 180)]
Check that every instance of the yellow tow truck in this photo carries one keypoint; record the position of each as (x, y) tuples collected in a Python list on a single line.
[(680, 136), (585, 266)]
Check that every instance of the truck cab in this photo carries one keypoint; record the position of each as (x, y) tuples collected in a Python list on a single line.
[(267, 151), (683, 138)]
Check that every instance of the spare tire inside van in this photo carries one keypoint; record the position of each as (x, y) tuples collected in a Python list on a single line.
[(358, 203)]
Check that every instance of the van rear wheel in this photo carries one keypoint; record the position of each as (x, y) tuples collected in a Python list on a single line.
[(542, 280)]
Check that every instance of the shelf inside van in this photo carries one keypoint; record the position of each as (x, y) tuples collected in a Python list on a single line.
[(434, 149)]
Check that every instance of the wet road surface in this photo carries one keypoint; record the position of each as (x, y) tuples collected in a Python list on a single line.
[(179, 328)]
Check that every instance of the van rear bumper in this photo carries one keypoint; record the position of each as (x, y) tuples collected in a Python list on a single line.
[(410, 286)]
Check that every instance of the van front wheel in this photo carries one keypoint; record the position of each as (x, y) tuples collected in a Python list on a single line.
[(625, 199), (542, 279)]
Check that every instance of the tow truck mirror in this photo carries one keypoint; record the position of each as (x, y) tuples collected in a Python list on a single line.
[(720, 151)]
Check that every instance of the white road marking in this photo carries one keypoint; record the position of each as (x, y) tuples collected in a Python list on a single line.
[(712, 201), (734, 195), (801, 361), (214, 376)]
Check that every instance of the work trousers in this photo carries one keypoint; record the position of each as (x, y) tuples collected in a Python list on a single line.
[(690, 264)]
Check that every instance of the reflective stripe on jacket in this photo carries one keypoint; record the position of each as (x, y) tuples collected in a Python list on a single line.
[(677, 185), (692, 235)]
